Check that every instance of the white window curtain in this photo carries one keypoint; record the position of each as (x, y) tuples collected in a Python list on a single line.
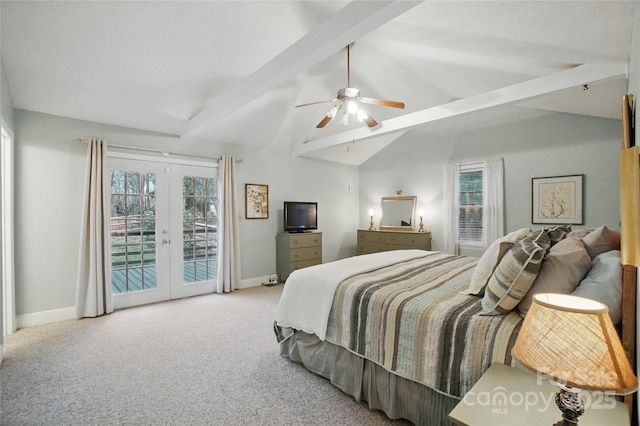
[(451, 213), (93, 288), (228, 233), (493, 201)]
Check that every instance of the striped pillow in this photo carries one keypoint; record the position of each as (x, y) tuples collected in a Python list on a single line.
[(515, 274), (490, 260), (557, 233)]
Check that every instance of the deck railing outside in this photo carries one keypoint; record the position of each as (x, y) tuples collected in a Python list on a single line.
[(133, 255)]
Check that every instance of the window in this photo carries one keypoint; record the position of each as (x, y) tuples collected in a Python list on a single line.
[(470, 204)]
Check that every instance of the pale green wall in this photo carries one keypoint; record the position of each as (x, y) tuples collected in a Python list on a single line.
[(49, 186), (538, 144)]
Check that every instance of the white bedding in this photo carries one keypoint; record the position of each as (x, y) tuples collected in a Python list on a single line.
[(308, 293)]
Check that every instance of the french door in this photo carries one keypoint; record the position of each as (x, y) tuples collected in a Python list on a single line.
[(163, 230)]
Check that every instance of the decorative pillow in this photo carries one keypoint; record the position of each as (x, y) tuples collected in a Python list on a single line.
[(580, 233), (603, 283), (515, 274), (557, 233), (490, 259), (601, 240), (563, 268)]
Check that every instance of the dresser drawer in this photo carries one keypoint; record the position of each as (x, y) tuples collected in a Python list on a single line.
[(304, 264), (305, 240), (407, 240), (377, 241), (305, 253), (366, 247), (371, 237)]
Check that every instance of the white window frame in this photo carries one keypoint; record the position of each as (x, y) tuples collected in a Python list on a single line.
[(468, 168)]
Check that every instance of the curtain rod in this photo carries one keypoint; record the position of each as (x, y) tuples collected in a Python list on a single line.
[(164, 153)]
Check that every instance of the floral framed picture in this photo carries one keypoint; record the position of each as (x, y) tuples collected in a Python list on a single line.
[(557, 199), (256, 201)]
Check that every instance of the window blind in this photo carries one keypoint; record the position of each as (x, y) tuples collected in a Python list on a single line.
[(470, 204)]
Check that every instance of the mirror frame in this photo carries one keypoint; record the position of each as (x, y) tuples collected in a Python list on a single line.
[(398, 228)]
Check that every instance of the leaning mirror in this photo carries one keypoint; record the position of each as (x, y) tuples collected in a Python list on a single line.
[(398, 213)]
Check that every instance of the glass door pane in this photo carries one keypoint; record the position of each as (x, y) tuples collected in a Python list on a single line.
[(139, 240), (199, 228), (133, 231), (194, 201)]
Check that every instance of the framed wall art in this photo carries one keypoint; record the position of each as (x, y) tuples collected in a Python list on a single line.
[(557, 200), (256, 201)]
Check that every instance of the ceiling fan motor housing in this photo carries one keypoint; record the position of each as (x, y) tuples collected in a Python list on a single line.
[(348, 92)]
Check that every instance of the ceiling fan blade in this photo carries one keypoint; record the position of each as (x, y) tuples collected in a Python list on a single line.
[(314, 103), (370, 121), (324, 122), (330, 115), (383, 102)]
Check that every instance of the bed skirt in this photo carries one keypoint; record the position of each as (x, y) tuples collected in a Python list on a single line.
[(397, 397)]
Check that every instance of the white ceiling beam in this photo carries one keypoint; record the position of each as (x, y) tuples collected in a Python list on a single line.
[(349, 24), (519, 92)]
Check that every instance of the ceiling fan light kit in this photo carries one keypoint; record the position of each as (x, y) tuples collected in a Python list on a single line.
[(348, 101)]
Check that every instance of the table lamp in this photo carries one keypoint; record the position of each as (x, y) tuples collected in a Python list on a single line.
[(371, 227), (421, 213), (572, 340)]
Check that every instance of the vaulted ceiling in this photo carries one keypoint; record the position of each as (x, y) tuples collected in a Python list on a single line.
[(232, 71)]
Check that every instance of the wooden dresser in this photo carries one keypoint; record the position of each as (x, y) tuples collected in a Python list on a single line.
[(377, 241), (296, 251)]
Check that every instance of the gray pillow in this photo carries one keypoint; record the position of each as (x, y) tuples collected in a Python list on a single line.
[(601, 240), (563, 268), (580, 233), (603, 283)]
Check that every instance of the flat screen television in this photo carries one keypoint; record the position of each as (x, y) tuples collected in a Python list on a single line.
[(300, 216)]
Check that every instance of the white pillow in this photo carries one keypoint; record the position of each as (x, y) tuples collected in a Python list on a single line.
[(603, 283), (491, 258)]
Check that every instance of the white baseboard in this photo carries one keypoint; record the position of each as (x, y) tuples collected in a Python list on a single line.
[(46, 317), (253, 282), (55, 315)]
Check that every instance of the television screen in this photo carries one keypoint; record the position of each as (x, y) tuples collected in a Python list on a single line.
[(300, 216)]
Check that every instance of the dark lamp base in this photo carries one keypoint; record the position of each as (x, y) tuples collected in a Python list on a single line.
[(564, 422), (570, 405)]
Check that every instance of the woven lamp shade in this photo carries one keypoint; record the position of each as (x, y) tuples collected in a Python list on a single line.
[(572, 340)]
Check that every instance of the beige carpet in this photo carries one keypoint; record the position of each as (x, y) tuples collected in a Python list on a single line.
[(207, 360)]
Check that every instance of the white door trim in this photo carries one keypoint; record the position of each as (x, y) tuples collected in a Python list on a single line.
[(9, 323)]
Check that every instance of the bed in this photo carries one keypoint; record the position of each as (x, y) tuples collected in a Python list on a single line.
[(411, 331)]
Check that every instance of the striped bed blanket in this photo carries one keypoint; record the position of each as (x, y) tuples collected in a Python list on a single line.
[(411, 319)]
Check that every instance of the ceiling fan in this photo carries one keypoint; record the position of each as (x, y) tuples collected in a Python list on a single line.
[(348, 101)]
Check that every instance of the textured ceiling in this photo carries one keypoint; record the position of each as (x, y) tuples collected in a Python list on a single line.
[(233, 71)]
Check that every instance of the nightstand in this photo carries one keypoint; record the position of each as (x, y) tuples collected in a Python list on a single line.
[(508, 396)]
